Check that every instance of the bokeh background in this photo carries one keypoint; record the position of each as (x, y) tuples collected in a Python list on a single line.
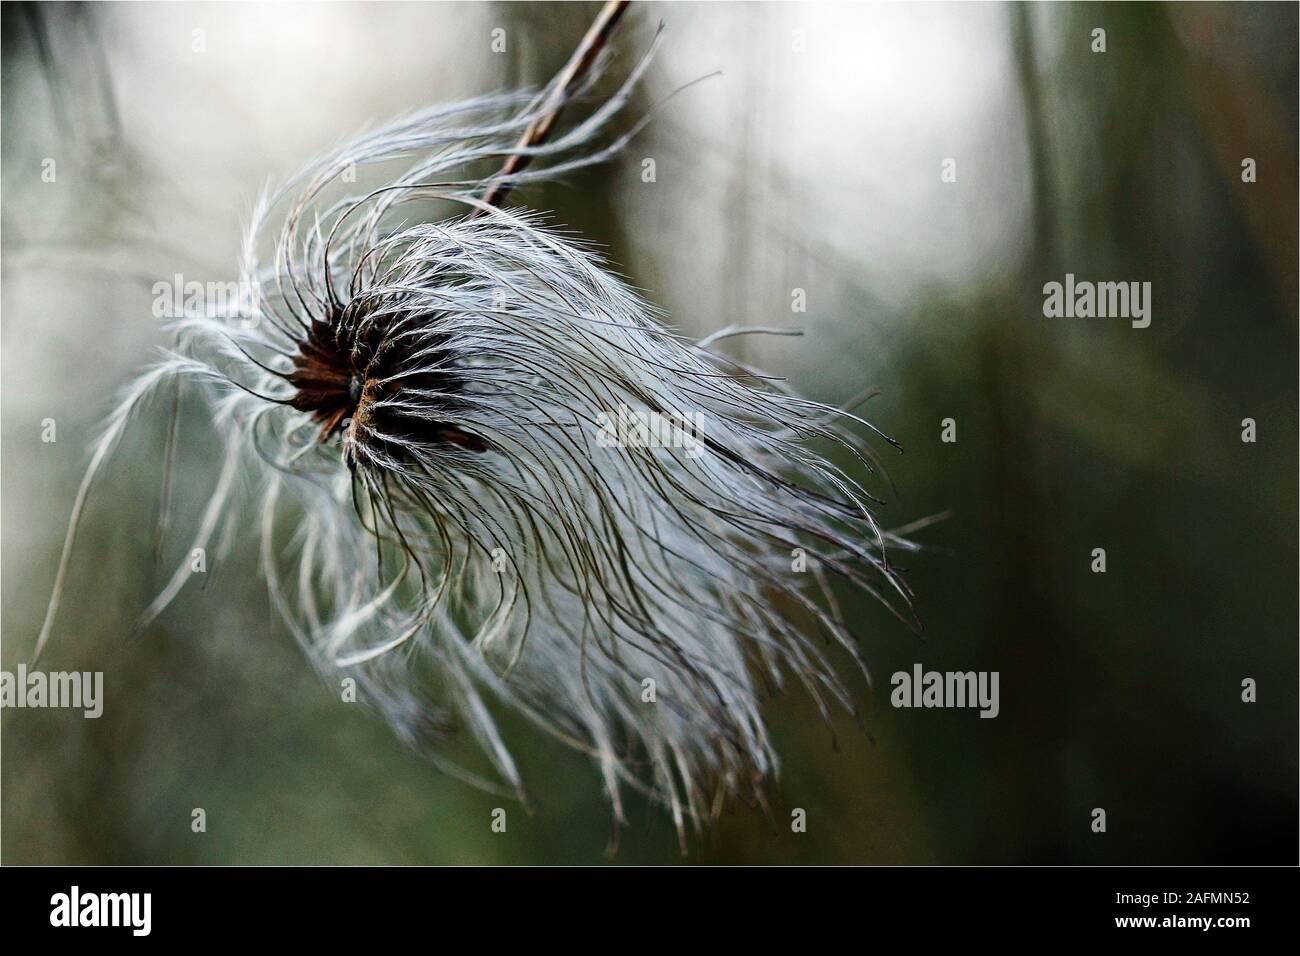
[(813, 162)]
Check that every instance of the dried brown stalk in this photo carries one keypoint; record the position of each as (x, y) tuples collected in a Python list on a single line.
[(579, 63)]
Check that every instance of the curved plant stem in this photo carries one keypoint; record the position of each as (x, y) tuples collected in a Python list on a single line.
[(579, 63)]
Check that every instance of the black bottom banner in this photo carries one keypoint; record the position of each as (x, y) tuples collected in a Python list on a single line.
[(363, 904)]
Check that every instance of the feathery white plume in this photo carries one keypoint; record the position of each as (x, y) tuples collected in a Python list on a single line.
[(418, 415)]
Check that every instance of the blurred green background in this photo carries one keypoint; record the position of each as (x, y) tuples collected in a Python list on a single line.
[(813, 162)]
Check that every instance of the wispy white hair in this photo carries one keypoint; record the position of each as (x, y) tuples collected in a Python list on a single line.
[(412, 408)]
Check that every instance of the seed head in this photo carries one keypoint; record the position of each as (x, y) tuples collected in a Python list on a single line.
[(411, 407)]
